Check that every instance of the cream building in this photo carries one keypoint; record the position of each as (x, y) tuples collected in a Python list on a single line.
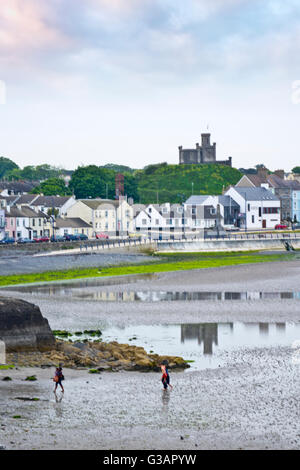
[(114, 218)]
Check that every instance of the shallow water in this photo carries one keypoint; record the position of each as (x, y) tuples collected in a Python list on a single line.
[(92, 289), (205, 343)]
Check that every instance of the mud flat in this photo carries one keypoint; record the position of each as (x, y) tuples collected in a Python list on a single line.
[(65, 312), (250, 403), (247, 400)]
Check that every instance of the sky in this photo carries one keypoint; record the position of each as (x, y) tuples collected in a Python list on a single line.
[(128, 81)]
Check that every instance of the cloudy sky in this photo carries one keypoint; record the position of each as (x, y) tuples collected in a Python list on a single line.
[(128, 81)]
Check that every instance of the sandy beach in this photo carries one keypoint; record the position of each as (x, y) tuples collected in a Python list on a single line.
[(249, 400)]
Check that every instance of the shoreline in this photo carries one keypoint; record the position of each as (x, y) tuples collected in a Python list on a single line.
[(206, 262)]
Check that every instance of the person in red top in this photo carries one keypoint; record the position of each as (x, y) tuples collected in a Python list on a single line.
[(165, 377)]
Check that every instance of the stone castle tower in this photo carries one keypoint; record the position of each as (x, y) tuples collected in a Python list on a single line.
[(202, 154)]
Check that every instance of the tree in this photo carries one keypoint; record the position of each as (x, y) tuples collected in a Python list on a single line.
[(6, 165), (52, 187), (296, 169), (93, 181)]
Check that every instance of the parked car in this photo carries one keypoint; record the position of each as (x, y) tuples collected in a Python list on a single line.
[(24, 240), (135, 236), (102, 235), (41, 239), (7, 241), (57, 238), (70, 238), (280, 227), (83, 236)]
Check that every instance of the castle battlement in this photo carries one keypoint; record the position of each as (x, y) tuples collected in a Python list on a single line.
[(202, 154)]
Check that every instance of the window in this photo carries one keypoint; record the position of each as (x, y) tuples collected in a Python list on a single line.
[(144, 222), (253, 219), (149, 210), (40, 222), (156, 221), (106, 213), (169, 221), (33, 222), (248, 207)]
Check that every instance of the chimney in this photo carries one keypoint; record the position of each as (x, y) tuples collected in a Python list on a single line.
[(262, 173), (279, 173)]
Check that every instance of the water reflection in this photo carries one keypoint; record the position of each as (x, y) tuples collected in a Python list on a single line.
[(87, 290), (206, 333), (204, 343)]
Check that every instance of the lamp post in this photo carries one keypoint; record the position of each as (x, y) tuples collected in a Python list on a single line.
[(246, 209)]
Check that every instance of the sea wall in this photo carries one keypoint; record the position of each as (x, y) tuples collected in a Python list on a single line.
[(22, 326), (227, 245)]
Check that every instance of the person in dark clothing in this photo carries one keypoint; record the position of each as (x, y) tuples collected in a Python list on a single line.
[(58, 377)]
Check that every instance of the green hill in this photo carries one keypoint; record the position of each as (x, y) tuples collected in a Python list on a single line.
[(173, 183)]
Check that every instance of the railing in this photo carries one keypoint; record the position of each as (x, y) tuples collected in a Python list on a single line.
[(99, 245)]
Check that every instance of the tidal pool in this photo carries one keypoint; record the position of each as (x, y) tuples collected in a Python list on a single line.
[(93, 289), (206, 345)]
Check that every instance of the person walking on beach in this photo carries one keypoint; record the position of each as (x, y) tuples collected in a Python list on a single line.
[(58, 377), (165, 376)]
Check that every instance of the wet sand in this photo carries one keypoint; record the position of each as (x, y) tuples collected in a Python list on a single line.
[(249, 402), (252, 403), (63, 311)]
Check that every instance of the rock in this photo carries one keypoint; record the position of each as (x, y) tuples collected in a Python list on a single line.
[(143, 363), (22, 326)]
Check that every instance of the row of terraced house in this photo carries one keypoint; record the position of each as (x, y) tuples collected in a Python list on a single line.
[(256, 201)]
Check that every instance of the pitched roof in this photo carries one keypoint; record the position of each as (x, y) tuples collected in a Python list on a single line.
[(24, 211), (26, 198), (50, 201), (227, 201), (18, 186), (256, 179), (256, 194), (95, 203), (276, 182), (72, 222), (9, 199), (195, 200), (273, 180)]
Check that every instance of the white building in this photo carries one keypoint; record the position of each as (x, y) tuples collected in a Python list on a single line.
[(172, 221), (259, 207)]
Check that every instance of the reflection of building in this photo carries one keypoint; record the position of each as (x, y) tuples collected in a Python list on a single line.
[(206, 333), (280, 327), (263, 328)]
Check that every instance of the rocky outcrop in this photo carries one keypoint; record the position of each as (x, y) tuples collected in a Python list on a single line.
[(97, 355), (23, 328)]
